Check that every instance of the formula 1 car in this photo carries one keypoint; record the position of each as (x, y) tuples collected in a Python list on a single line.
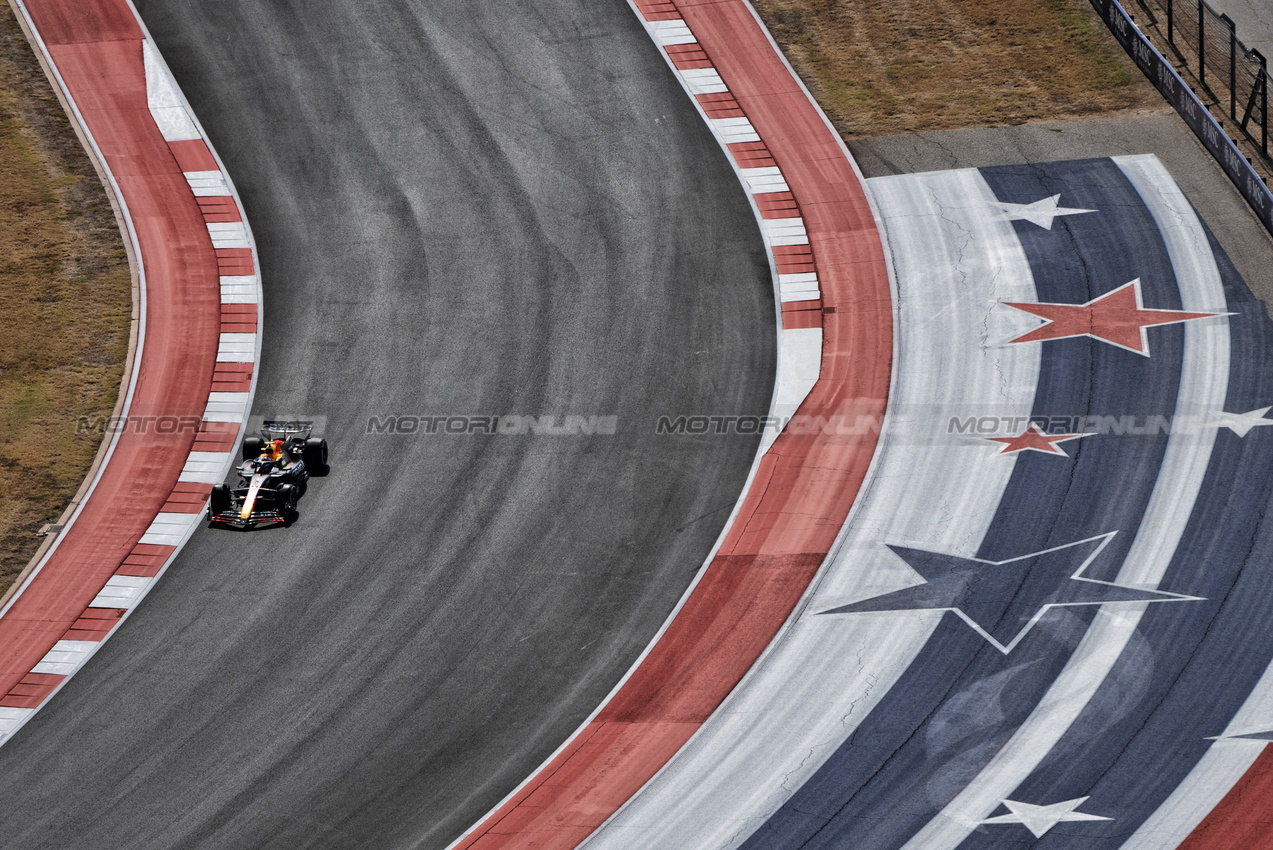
[(272, 476)]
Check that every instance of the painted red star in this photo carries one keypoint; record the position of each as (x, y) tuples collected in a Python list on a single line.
[(1116, 317), (1035, 440)]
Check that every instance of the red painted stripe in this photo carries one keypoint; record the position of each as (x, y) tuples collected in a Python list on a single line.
[(184, 503), (720, 105), (232, 378), (96, 47), (82, 634), (1244, 818), (799, 497), (145, 560), (777, 205), (219, 208), (94, 623), (238, 318), (31, 690), (795, 259), (68, 22), (153, 549), (107, 615), (178, 498), (751, 155), (234, 261), (802, 319), (193, 155), (216, 437), (686, 56), (657, 10)]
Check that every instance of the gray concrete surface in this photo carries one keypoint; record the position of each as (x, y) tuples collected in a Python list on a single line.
[(495, 208), (1163, 133)]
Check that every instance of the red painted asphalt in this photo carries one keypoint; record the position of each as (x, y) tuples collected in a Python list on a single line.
[(97, 49)]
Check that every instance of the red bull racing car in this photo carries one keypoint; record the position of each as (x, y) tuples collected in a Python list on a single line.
[(272, 476)]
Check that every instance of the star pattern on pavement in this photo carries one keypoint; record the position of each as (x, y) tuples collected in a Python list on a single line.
[(1259, 734), (1241, 423), (1118, 318), (1040, 819), (1035, 439), (1039, 212), (1003, 600)]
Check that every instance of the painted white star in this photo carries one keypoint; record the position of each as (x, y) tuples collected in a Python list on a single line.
[(1040, 212), (1241, 423), (1040, 819)]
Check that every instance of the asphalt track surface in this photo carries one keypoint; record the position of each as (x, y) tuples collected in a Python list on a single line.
[(459, 210)]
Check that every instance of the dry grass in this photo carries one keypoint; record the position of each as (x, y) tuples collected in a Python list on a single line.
[(64, 314), (881, 67)]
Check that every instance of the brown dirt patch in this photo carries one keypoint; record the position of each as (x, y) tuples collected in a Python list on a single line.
[(64, 317), (882, 67)]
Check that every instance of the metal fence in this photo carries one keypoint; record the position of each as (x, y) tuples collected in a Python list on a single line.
[(1191, 107), (1230, 75)]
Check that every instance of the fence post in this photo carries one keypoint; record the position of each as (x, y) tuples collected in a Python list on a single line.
[(1262, 89), (1264, 108), (1233, 67), (1202, 35)]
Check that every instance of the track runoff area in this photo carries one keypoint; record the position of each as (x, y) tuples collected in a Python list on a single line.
[(1042, 625)]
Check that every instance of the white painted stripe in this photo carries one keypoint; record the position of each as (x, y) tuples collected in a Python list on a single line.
[(823, 674), (228, 234), (121, 592), (11, 719), (1204, 379), (239, 289), (766, 179), (227, 407), (65, 656), (1217, 771), (799, 364), (236, 348), (734, 130), (206, 467), (785, 231), (671, 32), (798, 287), (703, 81), (169, 529), (174, 123), (167, 106), (1225, 761), (207, 184)]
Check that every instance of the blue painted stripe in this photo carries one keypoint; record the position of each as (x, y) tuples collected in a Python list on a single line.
[(1193, 665), (962, 699)]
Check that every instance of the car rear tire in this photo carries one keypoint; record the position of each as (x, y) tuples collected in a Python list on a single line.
[(252, 447), (316, 456)]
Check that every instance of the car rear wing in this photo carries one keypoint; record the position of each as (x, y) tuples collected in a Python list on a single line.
[(285, 429)]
